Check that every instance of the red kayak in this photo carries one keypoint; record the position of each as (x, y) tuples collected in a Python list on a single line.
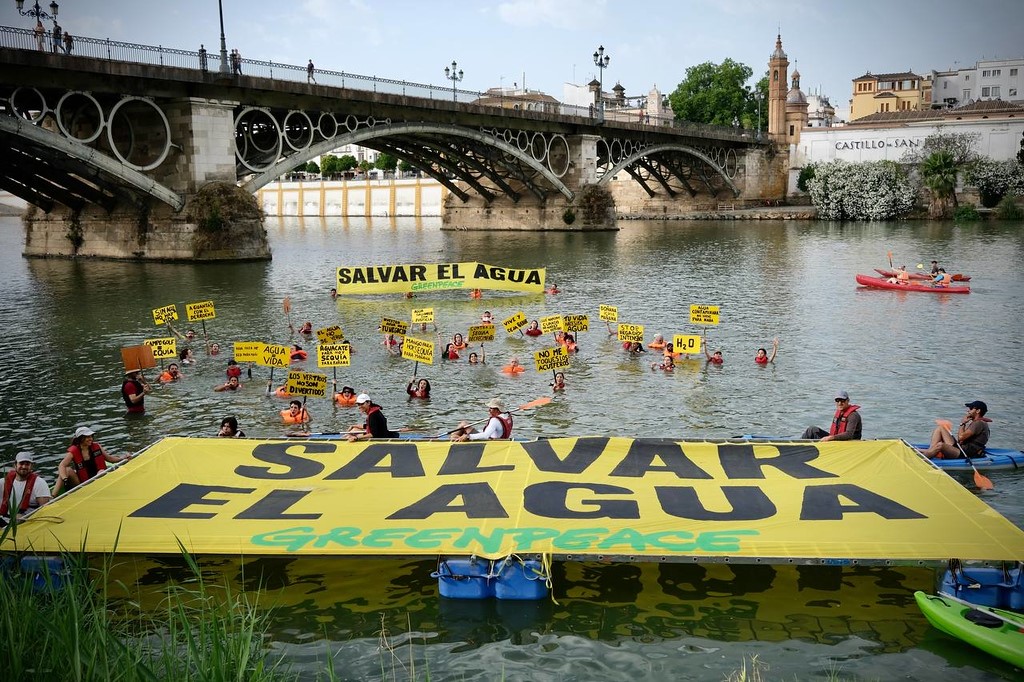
[(884, 283), (958, 277)]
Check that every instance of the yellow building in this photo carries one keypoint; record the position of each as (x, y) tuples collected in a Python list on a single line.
[(882, 92)]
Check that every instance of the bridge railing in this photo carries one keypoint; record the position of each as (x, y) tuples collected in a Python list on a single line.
[(104, 48)]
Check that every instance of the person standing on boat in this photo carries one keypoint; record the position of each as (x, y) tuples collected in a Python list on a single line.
[(846, 423), (134, 390), (24, 489), (970, 439), (376, 424), (499, 424)]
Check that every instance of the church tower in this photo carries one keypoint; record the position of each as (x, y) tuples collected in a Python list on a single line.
[(796, 111), (778, 66)]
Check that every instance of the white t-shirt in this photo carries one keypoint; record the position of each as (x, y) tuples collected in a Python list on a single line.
[(492, 431), (40, 489)]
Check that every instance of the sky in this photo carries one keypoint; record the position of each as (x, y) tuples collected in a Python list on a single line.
[(546, 43)]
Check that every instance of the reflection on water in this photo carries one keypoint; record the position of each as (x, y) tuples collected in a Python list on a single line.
[(906, 359)]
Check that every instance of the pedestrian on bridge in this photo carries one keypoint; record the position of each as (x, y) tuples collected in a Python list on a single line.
[(69, 43), (40, 34), (310, 78), (236, 62), (202, 58), (58, 38)]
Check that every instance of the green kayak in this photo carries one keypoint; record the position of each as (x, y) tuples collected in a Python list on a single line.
[(998, 632)]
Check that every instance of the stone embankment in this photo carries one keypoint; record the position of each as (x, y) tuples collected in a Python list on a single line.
[(761, 213)]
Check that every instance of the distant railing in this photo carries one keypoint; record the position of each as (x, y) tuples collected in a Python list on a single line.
[(103, 48)]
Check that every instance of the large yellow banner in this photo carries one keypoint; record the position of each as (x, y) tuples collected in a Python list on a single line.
[(385, 279), (653, 499)]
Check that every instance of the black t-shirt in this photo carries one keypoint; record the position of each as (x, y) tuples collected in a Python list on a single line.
[(377, 424)]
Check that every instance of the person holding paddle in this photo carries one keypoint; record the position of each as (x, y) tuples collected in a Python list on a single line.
[(499, 424), (970, 439)]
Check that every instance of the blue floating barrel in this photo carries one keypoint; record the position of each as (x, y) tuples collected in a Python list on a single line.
[(518, 579), (464, 578), (986, 586), (46, 572)]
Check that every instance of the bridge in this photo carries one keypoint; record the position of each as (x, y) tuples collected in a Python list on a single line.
[(132, 151)]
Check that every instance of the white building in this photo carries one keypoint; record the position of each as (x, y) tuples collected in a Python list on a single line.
[(989, 79)]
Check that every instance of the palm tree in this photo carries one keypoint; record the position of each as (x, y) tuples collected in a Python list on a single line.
[(939, 172)]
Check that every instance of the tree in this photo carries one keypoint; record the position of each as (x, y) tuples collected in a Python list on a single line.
[(1020, 154), (405, 166), (348, 162), (364, 166), (311, 167), (939, 173), (713, 93), (750, 118), (386, 162), (871, 190), (330, 165)]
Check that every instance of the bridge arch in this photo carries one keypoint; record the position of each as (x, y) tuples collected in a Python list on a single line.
[(654, 150), (426, 134)]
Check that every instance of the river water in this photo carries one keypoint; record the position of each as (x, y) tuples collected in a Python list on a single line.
[(907, 359)]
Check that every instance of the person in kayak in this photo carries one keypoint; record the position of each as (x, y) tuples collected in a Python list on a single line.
[(376, 424), (846, 423), (970, 439), (942, 279), (499, 424)]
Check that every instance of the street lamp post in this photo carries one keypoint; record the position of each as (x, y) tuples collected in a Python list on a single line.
[(224, 66), (453, 74), (36, 12), (601, 62), (758, 116)]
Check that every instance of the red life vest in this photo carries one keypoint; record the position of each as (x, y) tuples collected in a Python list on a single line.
[(506, 426), (761, 360), (840, 419), (86, 467), (26, 495)]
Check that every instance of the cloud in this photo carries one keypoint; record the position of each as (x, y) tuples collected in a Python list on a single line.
[(569, 14)]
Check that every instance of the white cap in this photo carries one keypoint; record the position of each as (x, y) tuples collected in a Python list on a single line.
[(362, 398), (24, 457), (83, 431)]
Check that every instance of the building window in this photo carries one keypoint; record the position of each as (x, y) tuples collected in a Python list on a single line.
[(984, 92), (885, 85), (1013, 72), (997, 72), (945, 84), (995, 91), (775, 75), (1013, 92), (792, 131), (967, 76), (967, 95), (986, 73), (908, 85)]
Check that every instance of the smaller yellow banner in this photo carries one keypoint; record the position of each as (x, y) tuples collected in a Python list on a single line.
[(309, 384), (515, 322), (576, 323), (422, 315), (197, 312), (548, 359), (481, 332), (389, 326), (704, 314), (686, 343), (163, 348), (272, 355), (418, 350), (248, 351), (333, 355), (608, 313), (330, 334), (167, 313), (551, 323), (631, 332)]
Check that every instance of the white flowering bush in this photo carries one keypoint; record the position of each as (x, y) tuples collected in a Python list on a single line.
[(872, 190), (996, 179)]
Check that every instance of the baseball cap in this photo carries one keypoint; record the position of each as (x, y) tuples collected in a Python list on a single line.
[(83, 431), (842, 395), (362, 398), (24, 457), (977, 405)]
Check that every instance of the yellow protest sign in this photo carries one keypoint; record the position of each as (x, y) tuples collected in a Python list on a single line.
[(418, 350), (329, 334), (547, 359), (551, 323), (608, 313), (704, 314), (661, 500), (272, 355), (386, 279), (163, 348), (167, 313), (248, 351), (481, 332), (576, 323), (198, 312), (631, 332), (515, 322), (422, 315), (333, 355), (686, 343), (389, 326), (309, 384)]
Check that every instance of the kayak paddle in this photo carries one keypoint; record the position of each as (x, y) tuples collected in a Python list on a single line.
[(982, 482), (533, 403)]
